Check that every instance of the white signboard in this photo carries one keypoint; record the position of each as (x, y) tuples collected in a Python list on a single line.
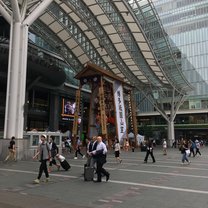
[(120, 110)]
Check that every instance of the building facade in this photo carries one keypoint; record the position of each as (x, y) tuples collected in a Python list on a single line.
[(186, 22), (50, 85), (138, 52)]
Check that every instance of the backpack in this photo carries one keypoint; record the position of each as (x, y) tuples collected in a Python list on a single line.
[(54, 150), (66, 144)]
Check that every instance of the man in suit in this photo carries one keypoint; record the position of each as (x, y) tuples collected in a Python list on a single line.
[(100, 155)]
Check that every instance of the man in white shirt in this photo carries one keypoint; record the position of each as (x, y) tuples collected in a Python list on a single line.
[(100, 155)]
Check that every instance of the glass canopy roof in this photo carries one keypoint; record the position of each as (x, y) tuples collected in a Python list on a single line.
[(123, 36)]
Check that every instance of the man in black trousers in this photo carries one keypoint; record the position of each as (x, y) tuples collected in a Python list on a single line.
[(149, 151), (100, 155)]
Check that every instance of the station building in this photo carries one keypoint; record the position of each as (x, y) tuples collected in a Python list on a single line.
[(44, 47)]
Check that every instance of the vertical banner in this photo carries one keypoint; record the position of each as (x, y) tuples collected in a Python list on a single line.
[(76, 113), (102, 110), (120, 110)]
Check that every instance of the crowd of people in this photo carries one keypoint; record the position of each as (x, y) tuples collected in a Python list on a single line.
[(189, 148), (96, 153), (48, 151)]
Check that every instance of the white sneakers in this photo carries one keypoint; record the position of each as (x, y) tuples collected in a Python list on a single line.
[(77, 158), (47, 180), (37, 181), (187, 163)]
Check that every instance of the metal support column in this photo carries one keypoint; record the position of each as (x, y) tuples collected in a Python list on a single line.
[(171, 133), (17, 67), (13, 82)]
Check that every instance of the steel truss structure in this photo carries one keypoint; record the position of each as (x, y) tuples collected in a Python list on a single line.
[(123, 36)]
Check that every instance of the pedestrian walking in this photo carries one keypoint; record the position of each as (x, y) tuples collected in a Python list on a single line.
[(149, 151), (100, 154), (164, 147), (12, 150), (185, 152), (117, 150), (126, 145), (198, 145), (174, 144), (45, 155), (91, 146), (68, 145), (54, 151), (192, 148), (77, 149)]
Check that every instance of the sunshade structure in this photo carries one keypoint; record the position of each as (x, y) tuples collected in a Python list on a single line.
[(117, 35), (123, 36)]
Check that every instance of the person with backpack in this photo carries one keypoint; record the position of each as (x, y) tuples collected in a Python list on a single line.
[(54, 151), (45, 155)]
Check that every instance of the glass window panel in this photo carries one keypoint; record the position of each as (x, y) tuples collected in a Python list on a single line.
[(35, 140)]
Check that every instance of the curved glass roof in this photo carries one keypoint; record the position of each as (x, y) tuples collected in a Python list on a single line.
[(123, 36)]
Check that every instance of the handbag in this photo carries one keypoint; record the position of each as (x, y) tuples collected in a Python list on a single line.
[(188, 152)]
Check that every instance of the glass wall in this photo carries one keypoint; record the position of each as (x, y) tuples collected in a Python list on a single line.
[(186, 22)]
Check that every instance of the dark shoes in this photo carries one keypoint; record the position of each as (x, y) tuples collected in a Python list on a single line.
[(107, 177), (152, 161), (97, 181)]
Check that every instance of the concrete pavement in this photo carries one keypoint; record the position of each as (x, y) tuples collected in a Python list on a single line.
[(132, 184)]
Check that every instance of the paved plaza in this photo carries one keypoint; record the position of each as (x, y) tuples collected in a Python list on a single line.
[(166, 183)]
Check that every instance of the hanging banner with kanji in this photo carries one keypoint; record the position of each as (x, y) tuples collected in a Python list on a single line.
[(120, 110)]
